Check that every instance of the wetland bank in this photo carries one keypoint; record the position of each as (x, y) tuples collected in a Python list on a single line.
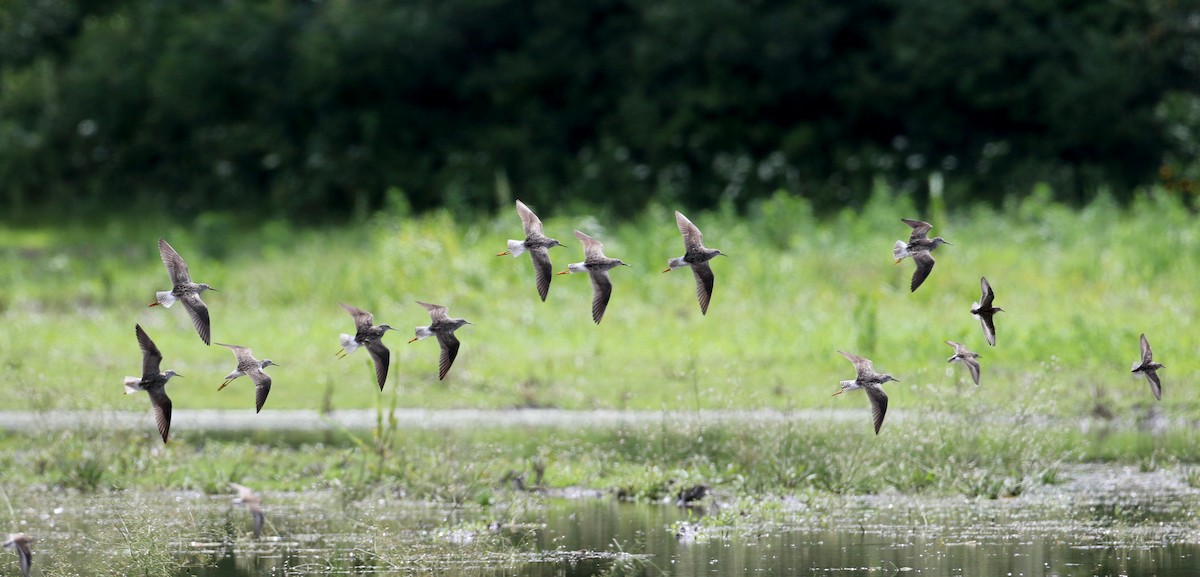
[(1057, 459), (937, 497)]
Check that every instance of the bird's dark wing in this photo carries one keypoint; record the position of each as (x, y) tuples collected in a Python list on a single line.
[(920, 228), (162, 410), (592, 248), (24, 556), (861, 365), (1147, 352), (362, 319), (436, 312), (879, 402), (989, 328), (199, 313), (542, 269), (973, 366), (1155, 384), (176, 268), (601, 292), (691, 235), (258, 521), (449, 344), (985, 299), (151, 357), (262, 387), (382, 357), (704, 284), (531, 223), (924, 262)]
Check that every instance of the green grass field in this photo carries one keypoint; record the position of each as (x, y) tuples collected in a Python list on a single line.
[(1078, 287)]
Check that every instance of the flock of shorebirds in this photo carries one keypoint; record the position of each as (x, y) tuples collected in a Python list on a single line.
[(369, 335)]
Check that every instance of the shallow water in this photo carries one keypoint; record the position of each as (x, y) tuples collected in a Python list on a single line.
[(1100, 520)]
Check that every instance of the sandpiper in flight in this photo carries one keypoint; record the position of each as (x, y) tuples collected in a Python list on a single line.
[(20, 542), (537, 244), (984, 311), (369, 335), (696, 256), (871, 382), (597, 266), (183, 289), (443, 326), (967, 358), (253, 503), (1149, 369), (919, 247), (248, 365), (153, 382)]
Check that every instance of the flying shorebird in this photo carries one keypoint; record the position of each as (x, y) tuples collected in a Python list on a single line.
[(183, 289), (919, 247), (697, 256), (984, 311), (253, 504), (248, 365), (597, 266), (20, 542), (153, 382), (967, 358), (537, 244), (1149, 369), (370, 336), (870, 381), (443, 326)]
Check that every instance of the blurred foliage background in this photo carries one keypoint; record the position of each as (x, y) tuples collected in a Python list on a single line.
[(330, 110)]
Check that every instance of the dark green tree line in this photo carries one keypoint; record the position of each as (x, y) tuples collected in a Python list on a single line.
[(322, 107)]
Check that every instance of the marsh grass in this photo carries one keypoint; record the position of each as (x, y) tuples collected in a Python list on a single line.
[(1079, 286)]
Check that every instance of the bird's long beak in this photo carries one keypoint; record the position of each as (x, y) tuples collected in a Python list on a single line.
[(213, 289), (178, 375), (502, 253), (895, 379), (949, 243)]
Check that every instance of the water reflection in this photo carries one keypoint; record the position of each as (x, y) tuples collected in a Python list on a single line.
[(1101, 521)]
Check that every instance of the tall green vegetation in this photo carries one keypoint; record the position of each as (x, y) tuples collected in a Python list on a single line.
[(319, 108)]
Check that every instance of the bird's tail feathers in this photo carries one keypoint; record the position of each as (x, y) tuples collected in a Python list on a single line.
[(131, 385), (348, 343), (516, 247), (423, 332), (900, 250), (165, 298)]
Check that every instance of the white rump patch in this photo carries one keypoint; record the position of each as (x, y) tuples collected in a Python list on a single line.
[(516, 247), (165, 298), (348, 343), (900, 250), (577, 267), (423, 332), (676, 263), (131, 385)]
